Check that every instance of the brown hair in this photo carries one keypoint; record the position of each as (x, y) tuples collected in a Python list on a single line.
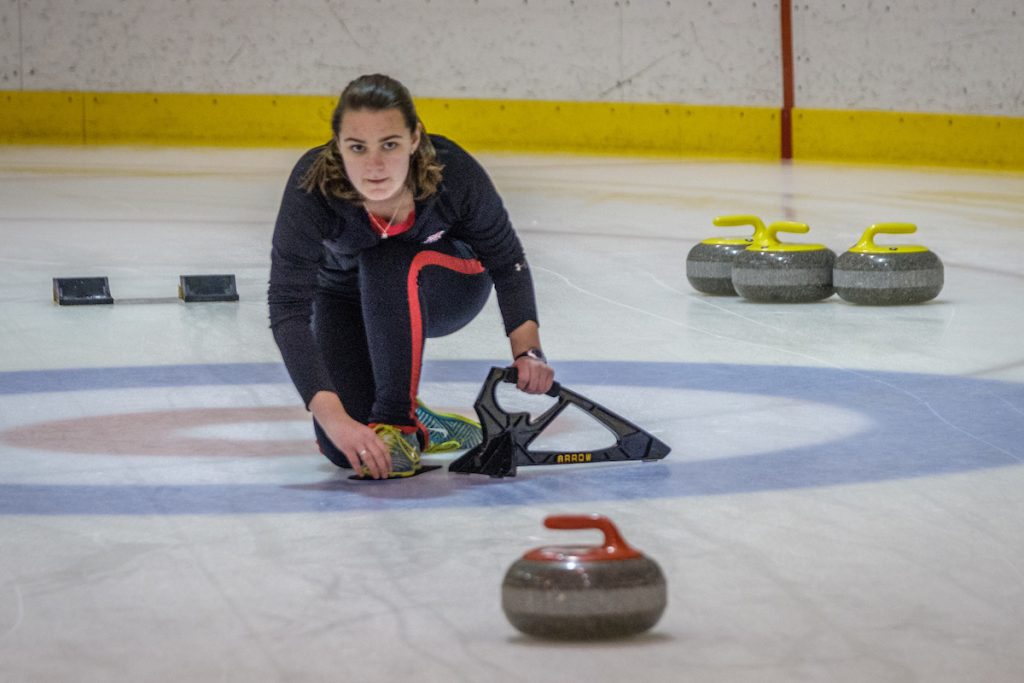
[(375, 92)]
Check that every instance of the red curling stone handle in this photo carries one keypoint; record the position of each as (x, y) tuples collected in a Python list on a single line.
[(614, 546)]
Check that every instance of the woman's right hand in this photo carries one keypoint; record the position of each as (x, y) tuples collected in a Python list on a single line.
[(360, 444)]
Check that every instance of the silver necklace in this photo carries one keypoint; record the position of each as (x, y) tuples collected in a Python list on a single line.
[(383, 229)]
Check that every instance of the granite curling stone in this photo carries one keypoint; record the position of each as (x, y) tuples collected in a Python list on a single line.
[(584, 592), (709, 263), (769, 271), (888, 275)]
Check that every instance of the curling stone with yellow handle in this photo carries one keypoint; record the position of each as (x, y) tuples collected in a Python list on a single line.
[(709, 263), (888, 275), (770, 271), (584, 592)]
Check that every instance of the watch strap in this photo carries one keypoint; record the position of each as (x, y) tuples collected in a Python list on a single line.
[(533, 352)]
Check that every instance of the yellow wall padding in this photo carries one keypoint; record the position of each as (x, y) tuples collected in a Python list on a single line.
[(260, 120), (893, 137), (30, 117), (605, 128)]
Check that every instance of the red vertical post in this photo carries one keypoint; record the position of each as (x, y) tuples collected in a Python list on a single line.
[(786, 114)]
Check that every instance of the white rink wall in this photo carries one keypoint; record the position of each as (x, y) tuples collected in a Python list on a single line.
[(590, 50), (955, 56), (935, 56)]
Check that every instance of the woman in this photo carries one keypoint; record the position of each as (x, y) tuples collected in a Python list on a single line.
[(386, 236)]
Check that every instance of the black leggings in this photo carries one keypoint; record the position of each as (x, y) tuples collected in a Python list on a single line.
[(372, 340)]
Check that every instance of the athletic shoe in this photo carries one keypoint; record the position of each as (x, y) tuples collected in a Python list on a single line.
[(404, 449), (448, 431)]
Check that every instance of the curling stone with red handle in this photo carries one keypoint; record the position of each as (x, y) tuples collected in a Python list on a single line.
[(709, 263), (770, 271), (888, 275), (578, 592)]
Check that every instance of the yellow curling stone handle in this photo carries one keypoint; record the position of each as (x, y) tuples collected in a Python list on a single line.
[(736, 221), (768, 240), (867, 245)]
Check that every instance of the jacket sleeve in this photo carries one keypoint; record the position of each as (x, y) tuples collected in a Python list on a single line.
[(486, 227), (303, 220)]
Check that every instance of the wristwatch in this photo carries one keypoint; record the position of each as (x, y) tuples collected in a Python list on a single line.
[(534, 353)]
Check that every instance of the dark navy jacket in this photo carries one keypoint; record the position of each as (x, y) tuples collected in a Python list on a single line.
[(317, 240)]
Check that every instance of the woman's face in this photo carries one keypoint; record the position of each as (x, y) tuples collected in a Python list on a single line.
[(376, 148)]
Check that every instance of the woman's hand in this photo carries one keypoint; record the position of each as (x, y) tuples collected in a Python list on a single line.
[(360, 444), (535, 376)]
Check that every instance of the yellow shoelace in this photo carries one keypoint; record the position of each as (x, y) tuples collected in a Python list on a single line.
[(392, 436)]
